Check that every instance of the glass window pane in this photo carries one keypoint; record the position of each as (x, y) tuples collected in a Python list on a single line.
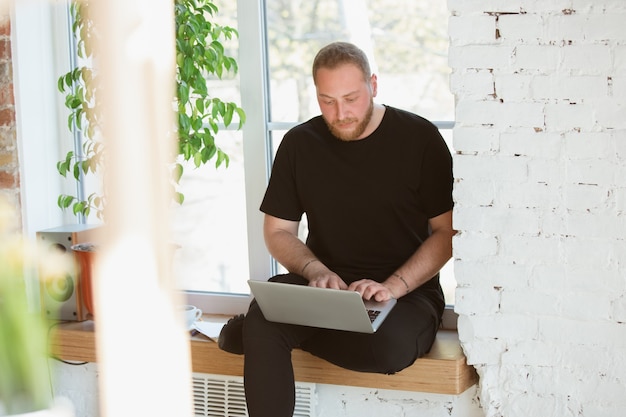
[(407, 43), (210, 226), (406, 40)]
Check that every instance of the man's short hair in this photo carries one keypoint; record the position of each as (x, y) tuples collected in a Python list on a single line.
[(339, 53)]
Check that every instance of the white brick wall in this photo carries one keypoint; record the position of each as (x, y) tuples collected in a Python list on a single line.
[(540, 192), (78, 383)]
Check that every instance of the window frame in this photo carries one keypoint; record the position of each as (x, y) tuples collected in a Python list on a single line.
[(41, 34), (254, 80), (40, 53)]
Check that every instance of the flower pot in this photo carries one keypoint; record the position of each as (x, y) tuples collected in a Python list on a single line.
[(85, 256)]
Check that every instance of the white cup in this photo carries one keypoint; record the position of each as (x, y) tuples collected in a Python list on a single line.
[(191, 314)]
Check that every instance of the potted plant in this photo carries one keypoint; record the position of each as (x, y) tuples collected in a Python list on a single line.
[(200, 53), (24, 380)]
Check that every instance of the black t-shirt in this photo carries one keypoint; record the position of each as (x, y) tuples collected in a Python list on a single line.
[(367, 201)]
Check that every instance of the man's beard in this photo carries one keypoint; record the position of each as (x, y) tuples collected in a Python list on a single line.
[(354, 133)]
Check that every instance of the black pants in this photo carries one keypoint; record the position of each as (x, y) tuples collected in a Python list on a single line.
[(406, 334)]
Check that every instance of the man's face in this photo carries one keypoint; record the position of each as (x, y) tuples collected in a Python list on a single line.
[(346, 100)]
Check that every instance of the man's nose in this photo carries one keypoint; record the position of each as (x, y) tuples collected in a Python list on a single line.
[(341, 111)]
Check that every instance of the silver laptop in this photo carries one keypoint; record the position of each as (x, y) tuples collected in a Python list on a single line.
[(319, 307)]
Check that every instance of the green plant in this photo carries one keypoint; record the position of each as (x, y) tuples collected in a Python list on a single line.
[(80, 86), (24, 381), (200, 54)]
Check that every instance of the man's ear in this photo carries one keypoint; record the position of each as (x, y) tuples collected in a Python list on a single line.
[(374, 85)]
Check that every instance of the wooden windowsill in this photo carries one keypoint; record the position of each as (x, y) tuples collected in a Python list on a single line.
[(443, 370)]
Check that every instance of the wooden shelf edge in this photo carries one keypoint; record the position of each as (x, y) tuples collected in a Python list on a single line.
[(443, 371)]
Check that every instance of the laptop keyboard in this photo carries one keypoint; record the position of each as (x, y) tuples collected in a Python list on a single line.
[(373, 314)]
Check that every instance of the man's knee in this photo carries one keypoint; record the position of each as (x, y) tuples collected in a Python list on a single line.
[(390, 361)]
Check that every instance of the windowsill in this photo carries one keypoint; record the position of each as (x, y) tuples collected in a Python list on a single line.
[(443, 370)]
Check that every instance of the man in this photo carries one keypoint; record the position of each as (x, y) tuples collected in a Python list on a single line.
[(376, 185)]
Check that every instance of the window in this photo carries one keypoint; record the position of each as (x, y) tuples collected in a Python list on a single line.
[(407, 43), (219, 227)]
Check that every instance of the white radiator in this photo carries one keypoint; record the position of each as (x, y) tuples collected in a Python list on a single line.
[(223, 396)]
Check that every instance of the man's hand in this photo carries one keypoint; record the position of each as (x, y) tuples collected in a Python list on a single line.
[(371, 290), (328, 280)]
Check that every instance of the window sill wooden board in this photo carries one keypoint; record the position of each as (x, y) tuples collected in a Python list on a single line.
[(443, 370)]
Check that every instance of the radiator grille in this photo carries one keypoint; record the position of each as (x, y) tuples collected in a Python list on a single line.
[(223, 396)]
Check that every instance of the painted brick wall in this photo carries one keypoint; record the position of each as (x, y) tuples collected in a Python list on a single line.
[(9, 167), (540, 257)]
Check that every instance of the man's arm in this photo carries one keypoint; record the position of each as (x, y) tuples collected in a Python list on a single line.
[(281, 239), (427, 260)]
